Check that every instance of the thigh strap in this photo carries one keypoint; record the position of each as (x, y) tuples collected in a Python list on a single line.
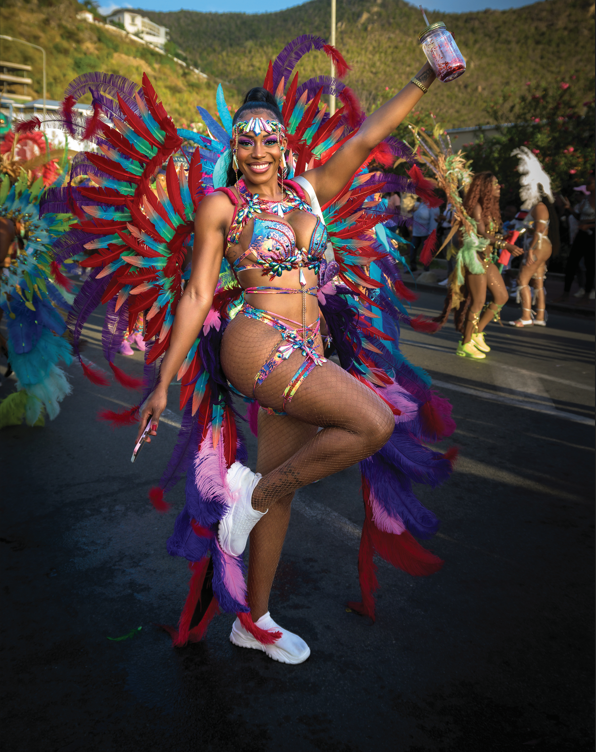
[(291, 340)]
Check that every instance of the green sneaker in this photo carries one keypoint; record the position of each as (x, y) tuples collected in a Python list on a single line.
[(478, 340), (469, 350)]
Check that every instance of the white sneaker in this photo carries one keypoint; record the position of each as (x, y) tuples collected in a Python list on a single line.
[(443, 282), (580, 293), (591, 295), (234, 528), (288, 649)]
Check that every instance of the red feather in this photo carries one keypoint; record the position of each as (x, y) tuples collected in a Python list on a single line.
[(367, 575), (95, 375), (435, 415), (156, 497), (341, 67), (198, 569), (403, 292), (383, 155), (424, 188), (119, 419), (202, 532), (422, 324), (451, 454), (59, 277), (264, 636), (268, 83), (123, 378), (353, 109), (28, 126), (428, 249), (93, 123)]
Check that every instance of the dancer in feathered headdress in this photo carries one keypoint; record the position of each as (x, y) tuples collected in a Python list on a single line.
[(476, 224), (33, 300), (288, 253), (538, 200)]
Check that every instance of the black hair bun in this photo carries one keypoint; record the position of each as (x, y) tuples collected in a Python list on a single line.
[(259, 94), (265, 100)]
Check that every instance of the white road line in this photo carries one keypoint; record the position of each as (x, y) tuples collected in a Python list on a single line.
[(515, 402), (451, 351), (349, 533), (523, 385)]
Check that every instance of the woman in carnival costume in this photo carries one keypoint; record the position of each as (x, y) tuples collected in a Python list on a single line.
[(538, 200), (34, 297), (481, 202), (286, 255), (476, 219)]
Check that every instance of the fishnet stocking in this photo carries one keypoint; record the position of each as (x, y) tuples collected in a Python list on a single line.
[(292, 451)]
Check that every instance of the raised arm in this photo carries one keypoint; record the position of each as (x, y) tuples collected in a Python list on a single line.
[(212, 220), (329, 179)]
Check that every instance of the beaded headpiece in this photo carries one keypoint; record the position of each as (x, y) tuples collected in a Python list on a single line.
[(257, 126)]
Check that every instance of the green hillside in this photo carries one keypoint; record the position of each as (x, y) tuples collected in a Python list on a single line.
[(548, 41), (74, 47)]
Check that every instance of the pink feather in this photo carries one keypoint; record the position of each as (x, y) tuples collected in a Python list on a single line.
[(210, 473), (233, 577), (213, 320), (381, 518)]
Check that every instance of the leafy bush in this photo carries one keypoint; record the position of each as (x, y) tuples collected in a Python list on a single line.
[(553, 122)]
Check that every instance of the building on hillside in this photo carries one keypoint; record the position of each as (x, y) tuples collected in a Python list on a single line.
[(462, 137), (149, 32), (12, 78), (85, 15)]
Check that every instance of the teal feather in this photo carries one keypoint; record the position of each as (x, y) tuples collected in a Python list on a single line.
[(220, 173), (222, 110)]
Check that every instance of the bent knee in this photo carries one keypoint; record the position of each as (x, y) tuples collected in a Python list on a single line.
[(379, 428)]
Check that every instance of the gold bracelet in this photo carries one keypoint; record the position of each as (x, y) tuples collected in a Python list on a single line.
[(420, 85)]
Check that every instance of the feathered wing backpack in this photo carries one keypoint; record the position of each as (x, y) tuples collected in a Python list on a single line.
[(136, 232), (34, 298)]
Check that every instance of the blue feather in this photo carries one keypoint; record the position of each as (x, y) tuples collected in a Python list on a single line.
[(222, 110)]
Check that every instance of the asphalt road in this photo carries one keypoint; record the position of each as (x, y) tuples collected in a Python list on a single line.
[(495, 652)]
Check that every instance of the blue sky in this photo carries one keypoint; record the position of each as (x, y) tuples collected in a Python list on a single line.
[(260, 6)]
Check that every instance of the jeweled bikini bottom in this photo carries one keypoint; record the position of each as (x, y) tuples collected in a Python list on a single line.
[(295, 337)]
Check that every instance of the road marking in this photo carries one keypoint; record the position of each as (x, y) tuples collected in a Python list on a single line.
[(450, 351), (350, 533), (524, 385), (491, 396)]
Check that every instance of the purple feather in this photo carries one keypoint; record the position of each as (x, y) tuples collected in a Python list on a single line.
[(205, 484), (329, 84), (184, 542), (184, 451), (114, 328), (228, 580), (341, 319), (87, 300), (288, 58), (393, 492), (70, 244), (105, 83)]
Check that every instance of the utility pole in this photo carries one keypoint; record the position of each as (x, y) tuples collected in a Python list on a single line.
[(43, 52), (333, 19)]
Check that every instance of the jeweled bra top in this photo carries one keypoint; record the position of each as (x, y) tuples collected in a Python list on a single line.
[(273, 242)]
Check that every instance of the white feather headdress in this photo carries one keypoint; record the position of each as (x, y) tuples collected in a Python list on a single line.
[(535, 183)]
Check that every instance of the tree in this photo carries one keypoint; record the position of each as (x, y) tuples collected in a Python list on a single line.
[(553, 122)]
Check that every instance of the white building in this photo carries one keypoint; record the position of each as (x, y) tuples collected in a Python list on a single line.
[(133, 23)]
